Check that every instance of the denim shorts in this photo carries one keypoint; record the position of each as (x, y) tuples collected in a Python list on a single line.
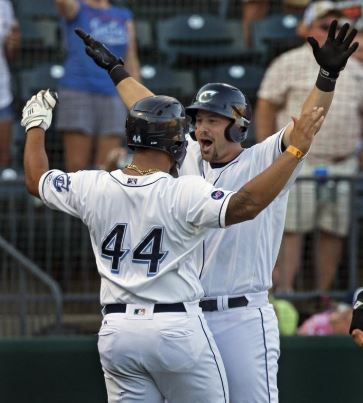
[(90, 114)]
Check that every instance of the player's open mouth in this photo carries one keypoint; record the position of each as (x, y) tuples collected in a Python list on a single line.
[(205, 144)]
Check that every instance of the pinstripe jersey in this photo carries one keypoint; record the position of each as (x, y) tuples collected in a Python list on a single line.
[(146, 231), (240, 259)]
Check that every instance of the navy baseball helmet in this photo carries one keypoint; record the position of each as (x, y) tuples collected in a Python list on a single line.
[(158, 122), (225, 100)]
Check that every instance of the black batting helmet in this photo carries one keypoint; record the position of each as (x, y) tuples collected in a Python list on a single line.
[(158, 122), (225, 100)]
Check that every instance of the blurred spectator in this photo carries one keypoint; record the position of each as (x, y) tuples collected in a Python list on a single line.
[(253, 10), (9, 42), (287, 316), (359, 38), (359, 56), (91, 115), (284, 87), (334, 321)]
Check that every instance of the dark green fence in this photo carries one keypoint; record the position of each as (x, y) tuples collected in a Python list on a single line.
[(67, 370)]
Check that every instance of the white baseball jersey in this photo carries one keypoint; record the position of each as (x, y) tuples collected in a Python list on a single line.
[(240, 259), (146, 231)]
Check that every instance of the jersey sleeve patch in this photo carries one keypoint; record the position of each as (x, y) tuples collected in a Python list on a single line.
[(62, 182), (217, 195)]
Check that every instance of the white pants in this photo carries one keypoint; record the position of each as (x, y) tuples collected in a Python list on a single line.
[(248, 340), (171, 356)]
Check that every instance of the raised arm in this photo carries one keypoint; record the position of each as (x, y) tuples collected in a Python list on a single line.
[(37, 117), (128, 88), (132, 64), (332, 58), (265, 118), (258, 193)]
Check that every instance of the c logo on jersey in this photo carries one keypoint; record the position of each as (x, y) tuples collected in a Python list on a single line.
[(206, 96), (62, 182), (217, 194)]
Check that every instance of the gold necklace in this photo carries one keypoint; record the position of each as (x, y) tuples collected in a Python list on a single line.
[(142, 171)]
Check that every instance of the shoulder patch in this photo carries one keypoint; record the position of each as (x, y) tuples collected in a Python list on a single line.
[(62, 182), (217, 194)]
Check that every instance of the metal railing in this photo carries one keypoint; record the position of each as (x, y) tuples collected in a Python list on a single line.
[(48, 278), (23, 286)]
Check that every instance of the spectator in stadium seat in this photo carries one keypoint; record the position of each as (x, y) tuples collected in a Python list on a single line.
[(253, 10), (359, 57), (9, 42), (91, 115), (334, 321), (283, 89)]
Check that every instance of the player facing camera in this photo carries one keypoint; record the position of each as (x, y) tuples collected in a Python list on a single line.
[(224, 100)]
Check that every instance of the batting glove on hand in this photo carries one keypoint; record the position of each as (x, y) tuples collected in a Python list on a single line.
[(102, 56), (38, 110), (357, 318), (335, 52)]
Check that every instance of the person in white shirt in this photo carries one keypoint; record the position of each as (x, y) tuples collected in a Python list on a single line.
[(238, 262)]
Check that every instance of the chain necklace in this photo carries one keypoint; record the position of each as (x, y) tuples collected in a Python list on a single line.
[(142, 171)]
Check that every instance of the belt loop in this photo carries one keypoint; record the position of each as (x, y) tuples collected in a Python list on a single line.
[(220, 302), (225, 305)]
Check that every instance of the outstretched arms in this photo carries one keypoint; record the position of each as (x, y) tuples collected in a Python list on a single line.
[(37, 117), (258, 193), (128, 88)]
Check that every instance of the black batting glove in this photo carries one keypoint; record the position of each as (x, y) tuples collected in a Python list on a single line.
[(334, 54), (357, 318), (103, 57)]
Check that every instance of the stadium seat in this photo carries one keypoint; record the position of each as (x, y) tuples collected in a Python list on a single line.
[(144, 37), (37, 9), (246, 77), (163, 80), (153, 11), (275, 34), (199, 38)]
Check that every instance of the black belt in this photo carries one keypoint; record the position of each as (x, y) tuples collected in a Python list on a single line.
[(211, 304), (121, 308)]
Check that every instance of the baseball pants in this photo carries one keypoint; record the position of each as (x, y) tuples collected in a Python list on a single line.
[(248, 340), (170, 356)]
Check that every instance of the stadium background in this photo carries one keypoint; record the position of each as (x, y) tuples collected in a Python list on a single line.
[(49, 309)]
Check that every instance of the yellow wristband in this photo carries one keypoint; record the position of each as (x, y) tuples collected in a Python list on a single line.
[(295, 151)]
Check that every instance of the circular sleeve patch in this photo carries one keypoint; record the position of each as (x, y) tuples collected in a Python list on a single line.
[(217, 194)]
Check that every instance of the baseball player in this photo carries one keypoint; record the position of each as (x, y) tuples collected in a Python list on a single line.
[(236, 280), (147, 231)]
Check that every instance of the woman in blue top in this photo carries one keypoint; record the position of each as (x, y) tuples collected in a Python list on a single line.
[(90, 113)]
